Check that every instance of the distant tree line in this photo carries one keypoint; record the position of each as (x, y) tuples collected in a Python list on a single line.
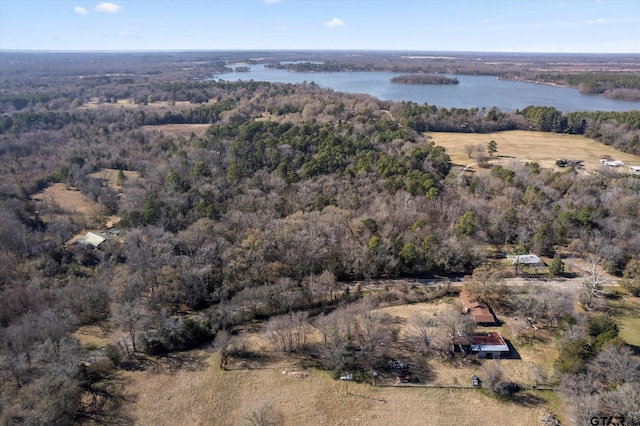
[(424, 79), (613, 85)]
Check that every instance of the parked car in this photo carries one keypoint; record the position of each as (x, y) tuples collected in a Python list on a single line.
[(475, 381)]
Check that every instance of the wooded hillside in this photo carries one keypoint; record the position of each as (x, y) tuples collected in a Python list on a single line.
[(290, 190)]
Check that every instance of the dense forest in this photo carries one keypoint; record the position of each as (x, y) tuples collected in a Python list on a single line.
[(612, 85), (424, 79), (290, 190)]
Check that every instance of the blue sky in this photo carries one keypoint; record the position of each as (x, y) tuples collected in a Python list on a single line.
[(597, 26)]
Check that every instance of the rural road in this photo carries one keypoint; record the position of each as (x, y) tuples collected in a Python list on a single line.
[(556, 283)]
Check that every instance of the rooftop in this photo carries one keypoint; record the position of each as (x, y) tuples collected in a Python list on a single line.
[(92, 239), (480, 311), (525, 259), (485, 342)]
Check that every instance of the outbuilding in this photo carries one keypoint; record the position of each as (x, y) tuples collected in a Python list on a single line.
[(480, 312)]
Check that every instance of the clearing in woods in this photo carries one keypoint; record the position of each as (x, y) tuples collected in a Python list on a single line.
[(524, 146), (61, 201), (194, 390), (176, 130), (200, 393)]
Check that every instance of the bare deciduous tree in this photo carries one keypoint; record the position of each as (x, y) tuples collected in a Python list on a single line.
[(262, 414), (132, 318), (288, 333), (493, 375), (593, 282)]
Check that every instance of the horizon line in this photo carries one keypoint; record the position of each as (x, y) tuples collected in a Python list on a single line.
[(4, 50)]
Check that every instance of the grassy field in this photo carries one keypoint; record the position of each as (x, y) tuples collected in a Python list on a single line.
[(176, 130), (92, 337), (199, 393), (625, 308), (190, 388), (58, 200), (129, 103), (524, 146), (630, 330)]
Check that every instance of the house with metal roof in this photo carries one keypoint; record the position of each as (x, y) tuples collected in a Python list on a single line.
[(93, 239), (486, 345), (480, 312)]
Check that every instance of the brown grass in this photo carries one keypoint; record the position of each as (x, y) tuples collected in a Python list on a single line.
[(206, 395), (92, 337), (199, 393), (525, 146), (58, 200), (129, 103), (59, 197), (176, 130)]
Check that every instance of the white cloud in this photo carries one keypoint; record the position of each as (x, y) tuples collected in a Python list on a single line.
[(271, 1), (335, 22), (80, 10), (107, 8)]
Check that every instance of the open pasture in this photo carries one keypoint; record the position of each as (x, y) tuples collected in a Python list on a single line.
[(524, 146), (177, 130), (195, 390), (200, 393), (58, 200)]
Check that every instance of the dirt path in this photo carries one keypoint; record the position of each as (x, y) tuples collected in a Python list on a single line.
[(556, 283)]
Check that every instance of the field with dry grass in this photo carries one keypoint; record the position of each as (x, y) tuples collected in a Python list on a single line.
[(199, 393), (92, 337), (58, 200), (523, 146), (129, 103), (626, 310), (176, 130), (190, 388)]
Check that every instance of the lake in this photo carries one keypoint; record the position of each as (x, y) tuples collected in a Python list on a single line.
[(472, 92)]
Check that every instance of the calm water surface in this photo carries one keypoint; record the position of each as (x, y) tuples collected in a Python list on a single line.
[(472, 92)]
